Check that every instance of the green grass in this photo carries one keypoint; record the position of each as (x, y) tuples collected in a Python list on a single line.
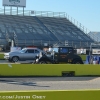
[(1, 56), (83, 57)]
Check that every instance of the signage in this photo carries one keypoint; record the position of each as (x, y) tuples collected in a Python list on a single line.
[(15, 3), (95, 51)]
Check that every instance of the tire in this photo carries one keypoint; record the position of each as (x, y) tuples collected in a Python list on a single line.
[(15, 59), (77, 62)]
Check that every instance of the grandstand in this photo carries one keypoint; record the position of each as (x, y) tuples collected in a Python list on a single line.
[(41, 28), (95, 36)]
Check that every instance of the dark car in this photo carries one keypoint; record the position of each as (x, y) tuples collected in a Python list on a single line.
[(61, 55)]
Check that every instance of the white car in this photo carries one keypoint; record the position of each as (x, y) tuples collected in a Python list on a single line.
[(22, 55)]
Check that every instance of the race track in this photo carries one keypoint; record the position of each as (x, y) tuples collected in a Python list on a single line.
[(49, 83)]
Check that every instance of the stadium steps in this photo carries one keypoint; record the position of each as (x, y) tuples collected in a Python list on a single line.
[(64, 29), (65, 24), (50, 34), (54, 27)]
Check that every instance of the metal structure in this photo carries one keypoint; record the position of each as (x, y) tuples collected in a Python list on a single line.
[(94, 45), (14, 3), (38, 28), (95, 36)]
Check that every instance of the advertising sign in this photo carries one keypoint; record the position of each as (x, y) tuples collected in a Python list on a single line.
[(95, 51), (15, 3)]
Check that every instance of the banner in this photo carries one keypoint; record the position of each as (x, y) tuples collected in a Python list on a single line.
[(16, 3), (95, 51)]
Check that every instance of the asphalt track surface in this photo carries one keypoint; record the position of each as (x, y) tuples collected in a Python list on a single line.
[(48, 83)]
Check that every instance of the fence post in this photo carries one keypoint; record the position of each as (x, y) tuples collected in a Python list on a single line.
[(80, 43), (72, 43), (41, 42), (25, 42), (66, 15), (74, 21), (83, 28), (33, 42)]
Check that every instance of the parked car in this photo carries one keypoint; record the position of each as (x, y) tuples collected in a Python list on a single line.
[(22, 55)]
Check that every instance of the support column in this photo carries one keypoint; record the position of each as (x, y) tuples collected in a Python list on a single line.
[(11, 10), (4, 10), (17, 10), (23, 11)]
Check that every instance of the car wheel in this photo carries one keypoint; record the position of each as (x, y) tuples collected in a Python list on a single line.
[(15, 59)]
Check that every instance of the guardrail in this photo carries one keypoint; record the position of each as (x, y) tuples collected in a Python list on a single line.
[(49, 70), (75, 44)]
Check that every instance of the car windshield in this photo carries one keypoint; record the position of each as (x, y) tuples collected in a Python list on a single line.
[(23, 51), (55, 50)]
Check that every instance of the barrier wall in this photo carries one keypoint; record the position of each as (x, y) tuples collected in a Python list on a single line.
[(51, 95), (48, 69)]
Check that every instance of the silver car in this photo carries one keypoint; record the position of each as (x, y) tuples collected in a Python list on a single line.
[(22, 55)]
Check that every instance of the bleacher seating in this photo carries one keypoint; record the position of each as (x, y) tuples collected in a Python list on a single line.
[(35, 30), (95, 36), (64, 30)]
